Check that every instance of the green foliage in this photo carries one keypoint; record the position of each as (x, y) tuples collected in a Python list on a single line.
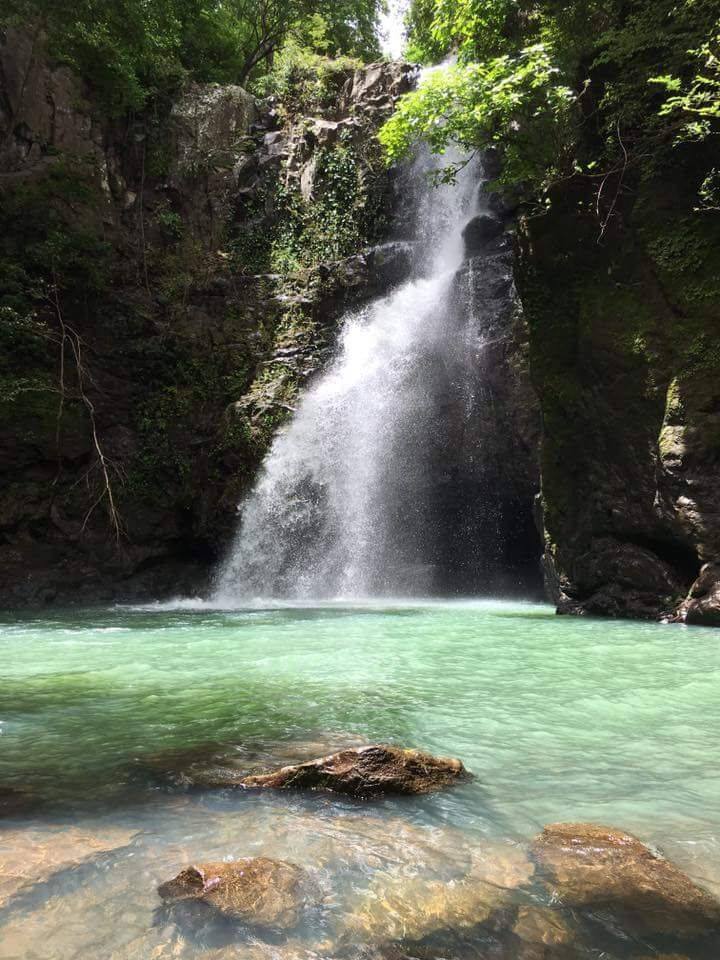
[(512, 101), (306, 82), (344, 212), (24, 342), (329, 226), (168, 419), (135, 51), (693, 101), (699, 99), (42, 241), (475, 29), (580, 89)]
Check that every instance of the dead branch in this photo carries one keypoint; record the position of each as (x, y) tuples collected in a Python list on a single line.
[(604, 223), (70, 337)]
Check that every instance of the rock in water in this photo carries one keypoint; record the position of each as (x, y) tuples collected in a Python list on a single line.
[(256, 890), (612, 872), (30, 856), (543, 926), (399, 907), (366, 772)]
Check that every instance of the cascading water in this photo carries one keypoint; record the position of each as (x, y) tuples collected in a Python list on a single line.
[(350, 499)]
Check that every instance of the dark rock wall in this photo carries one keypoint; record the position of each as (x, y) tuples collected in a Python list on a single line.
[(487, 467), (151, 346), (624, 331)]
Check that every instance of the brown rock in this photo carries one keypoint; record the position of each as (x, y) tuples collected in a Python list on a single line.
[(665, 956), (398, 907), (366, 772), (256, 890), (607, 870), (215, 764), (543, 925)]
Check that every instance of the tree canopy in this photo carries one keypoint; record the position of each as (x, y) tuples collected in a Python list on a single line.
[(134, 50), (564, 88)]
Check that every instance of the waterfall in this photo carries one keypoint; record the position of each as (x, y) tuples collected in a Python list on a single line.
[(352, 500)]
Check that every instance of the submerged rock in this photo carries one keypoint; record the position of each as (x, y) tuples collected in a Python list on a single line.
[(543, 925), (366, 771), (612, 872), (256, 890), (398, 907), (14, 801), (32, 856)]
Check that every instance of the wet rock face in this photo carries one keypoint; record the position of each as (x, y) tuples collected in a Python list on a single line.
[(257, 891), (612, 873), (42, 104), (490, 499), (479, 231), (366, 772)]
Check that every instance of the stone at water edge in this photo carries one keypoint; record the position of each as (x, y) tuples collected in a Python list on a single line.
[(702, 607), (255, 890), (369, 771), (218, 765), (609, 871)]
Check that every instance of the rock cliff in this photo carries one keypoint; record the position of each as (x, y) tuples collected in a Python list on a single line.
[(624, 327), (168, 283)]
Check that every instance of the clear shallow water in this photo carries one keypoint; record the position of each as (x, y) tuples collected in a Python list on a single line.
[(558, 718)]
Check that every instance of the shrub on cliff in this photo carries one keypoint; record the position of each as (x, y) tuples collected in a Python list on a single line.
[(132, 51)]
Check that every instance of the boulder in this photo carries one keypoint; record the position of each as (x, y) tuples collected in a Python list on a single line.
[(390, 263), (479, 231), (611, 872), (366, 772), (378, 85), (255, 890), (208, 122), (702, 607), (215, 764)]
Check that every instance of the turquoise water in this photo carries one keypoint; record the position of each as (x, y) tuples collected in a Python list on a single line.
[(558, 719)]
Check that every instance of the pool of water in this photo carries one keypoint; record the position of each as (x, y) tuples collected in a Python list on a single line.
[(558, 718)]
